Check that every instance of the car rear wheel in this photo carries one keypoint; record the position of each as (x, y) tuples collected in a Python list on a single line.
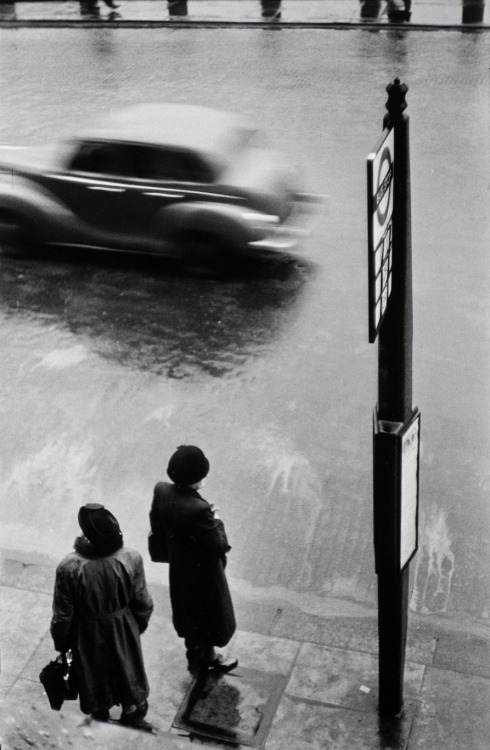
[(15, 237)]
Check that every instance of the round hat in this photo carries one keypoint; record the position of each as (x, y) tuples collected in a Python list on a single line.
[(100, 527), (187, 465)]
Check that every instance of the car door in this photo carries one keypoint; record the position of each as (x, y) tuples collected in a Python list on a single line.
[(96, 187), (166, 176)]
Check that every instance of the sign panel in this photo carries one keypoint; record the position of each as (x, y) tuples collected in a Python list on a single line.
[(409, 489), (396, 491), (380, 173)]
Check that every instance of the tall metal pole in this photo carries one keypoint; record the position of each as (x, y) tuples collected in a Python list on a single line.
[(394, 407), (396, 333)]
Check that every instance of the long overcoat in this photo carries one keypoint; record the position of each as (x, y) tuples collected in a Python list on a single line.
[(184, 524), (100, 607)]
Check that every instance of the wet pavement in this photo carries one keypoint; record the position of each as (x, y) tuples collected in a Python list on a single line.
[(313, 13), (302, 681)]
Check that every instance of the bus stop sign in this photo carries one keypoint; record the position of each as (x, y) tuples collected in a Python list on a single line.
[(380, 174)]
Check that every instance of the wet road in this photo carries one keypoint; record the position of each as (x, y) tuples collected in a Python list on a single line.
[(107, 367)]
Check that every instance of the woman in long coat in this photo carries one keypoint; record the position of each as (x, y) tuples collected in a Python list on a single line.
[(187, 533), (100, 607)]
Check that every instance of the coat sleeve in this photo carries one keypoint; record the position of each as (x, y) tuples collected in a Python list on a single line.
[(141, 603), (63, 608), (157, 540), (210, 533)]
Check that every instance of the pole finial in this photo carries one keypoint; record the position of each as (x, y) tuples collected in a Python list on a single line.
[(396, 103)]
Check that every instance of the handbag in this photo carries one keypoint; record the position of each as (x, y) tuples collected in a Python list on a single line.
[(58, 681), (158, 543), (158, 548)]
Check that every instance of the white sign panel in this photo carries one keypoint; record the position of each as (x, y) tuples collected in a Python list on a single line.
[(409, 477), (380, 166)]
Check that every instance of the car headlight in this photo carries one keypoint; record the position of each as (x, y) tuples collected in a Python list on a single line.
[(261, 218)]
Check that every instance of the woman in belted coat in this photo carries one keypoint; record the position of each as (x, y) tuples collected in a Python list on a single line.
[(188, 534), (100, 607)]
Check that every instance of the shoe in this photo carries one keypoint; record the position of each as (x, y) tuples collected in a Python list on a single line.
[(220, 664), (101, 715), (137, 722), (136, 718)]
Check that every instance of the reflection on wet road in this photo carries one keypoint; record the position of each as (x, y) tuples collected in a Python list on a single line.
[(173, 325)]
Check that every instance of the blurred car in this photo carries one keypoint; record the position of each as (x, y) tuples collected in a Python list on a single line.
[(176, 180)]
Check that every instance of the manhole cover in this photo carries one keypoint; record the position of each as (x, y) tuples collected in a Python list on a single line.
[(236, 707)]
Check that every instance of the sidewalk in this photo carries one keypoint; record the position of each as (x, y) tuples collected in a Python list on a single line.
[(425, 14), (324, 670)]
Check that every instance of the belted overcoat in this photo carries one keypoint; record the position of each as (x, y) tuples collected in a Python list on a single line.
[(195, 543), (100, 607)]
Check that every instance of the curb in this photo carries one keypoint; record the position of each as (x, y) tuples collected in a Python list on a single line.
[(427, 15), (335, 25)]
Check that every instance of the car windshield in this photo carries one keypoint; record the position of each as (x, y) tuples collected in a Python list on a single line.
[(240, 138)]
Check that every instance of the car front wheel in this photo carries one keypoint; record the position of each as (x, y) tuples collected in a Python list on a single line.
[(206, 254)]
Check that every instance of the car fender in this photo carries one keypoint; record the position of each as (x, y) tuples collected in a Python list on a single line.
[(39, 209), (236, 225)]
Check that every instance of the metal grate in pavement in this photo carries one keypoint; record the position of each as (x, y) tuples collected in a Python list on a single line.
[(237, 707)]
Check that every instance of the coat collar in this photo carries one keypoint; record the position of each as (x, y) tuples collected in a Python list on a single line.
[(85, 548), (184, 489)]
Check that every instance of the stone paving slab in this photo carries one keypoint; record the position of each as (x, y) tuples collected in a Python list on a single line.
[(350, 633), (258, 651), (454, 712), (300, 724), (26, 571), (24, 725), (463, 653), (347, 679), (23, 619)]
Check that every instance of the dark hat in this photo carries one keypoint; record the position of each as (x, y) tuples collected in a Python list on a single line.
[(100, 527), (187, 465)]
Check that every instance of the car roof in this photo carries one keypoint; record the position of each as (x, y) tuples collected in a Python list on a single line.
[(179, 125)]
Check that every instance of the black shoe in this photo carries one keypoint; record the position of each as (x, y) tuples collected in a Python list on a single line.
[(101, 715), (136, 722), (136, 718), (220, 664)]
